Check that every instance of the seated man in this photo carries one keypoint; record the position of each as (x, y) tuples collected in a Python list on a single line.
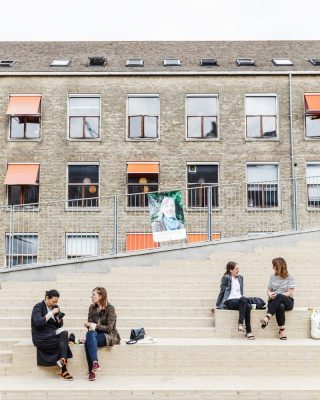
[(48, 335)]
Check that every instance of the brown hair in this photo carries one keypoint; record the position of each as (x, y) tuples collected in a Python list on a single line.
[(103, 293), (230, 267), (280, 267)]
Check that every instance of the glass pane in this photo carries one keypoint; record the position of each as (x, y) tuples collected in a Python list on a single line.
[(198, 196), (137, 194), (83, 196), (260, 105), (143, 106), (194, 127), (82, 245), (83, 174), (84, 106), (91, 127), (254, 195), (253, 127), (210, 127), (31, 194), (32, 127), (262, 173), (312, 127), (270, 196), (151, 127), (269, 127), (14, 195), (76, 127), (313, 173), (204, 174), (17, 128), (23, 244), (135, 127), (202, 106), (143, 178)]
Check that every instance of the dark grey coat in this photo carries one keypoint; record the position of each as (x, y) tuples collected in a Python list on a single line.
[(225, 289), (44, 336)]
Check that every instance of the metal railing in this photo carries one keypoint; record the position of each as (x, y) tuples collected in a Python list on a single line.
[(81, 228)]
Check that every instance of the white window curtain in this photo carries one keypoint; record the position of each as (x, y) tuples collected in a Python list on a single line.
[(262, 173), (82, 245)]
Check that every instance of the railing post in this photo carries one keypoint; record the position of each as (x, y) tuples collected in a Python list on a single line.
[(209, 208), (10, 255), (115, 224), (294, 205)]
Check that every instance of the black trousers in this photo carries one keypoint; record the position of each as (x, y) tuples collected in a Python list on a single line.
[(278, 306), (244, 308)]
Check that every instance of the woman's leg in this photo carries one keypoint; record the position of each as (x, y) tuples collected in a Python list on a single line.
[(91, 348), (247, 315), (234, 304), (274, 304), (63, 343)]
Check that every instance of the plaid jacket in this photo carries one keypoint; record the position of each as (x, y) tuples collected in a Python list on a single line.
[(106, 322)]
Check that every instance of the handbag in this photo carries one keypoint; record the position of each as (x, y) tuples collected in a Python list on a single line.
[(135, 335)]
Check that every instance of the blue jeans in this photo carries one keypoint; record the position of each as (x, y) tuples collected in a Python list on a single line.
[(93, 341)]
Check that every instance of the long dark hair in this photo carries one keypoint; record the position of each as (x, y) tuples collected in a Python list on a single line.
[(52, 293), (230, 267), (104, 297)]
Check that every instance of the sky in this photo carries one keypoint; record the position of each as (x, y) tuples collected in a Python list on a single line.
[(159, 20)]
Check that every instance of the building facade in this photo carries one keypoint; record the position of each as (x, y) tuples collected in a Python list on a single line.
[(234, 125)]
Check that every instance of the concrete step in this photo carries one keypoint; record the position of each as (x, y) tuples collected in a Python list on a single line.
[(5, 357), (7, 343), (188, 357), (167, 387), (167, 322)]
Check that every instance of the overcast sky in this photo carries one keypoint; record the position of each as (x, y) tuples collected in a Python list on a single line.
[(159, 20)]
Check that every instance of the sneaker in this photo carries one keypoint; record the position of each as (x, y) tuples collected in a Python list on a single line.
[(61, 362), (95, 366), (92, 376)]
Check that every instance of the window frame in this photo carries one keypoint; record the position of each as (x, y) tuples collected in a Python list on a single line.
[(142, 139), (91, 95), (7, 235), (82, 209), (216, 163), (142, 208), (24, 139), (307, 138), (81, 234), (310, 208), (264, 209), (200, 95), (262, 138)]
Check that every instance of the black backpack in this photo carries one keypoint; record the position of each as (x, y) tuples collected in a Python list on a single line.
[(260, 304)]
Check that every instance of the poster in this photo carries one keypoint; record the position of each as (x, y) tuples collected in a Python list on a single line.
[(167, 219)]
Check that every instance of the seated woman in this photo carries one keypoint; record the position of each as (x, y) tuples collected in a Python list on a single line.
[(102, 329), (231, 297), (50, 339), (280, 289)]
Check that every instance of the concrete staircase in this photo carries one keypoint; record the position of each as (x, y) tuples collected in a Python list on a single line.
[(196, 355)]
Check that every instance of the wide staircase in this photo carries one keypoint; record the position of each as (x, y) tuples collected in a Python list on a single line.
[(196, 355)]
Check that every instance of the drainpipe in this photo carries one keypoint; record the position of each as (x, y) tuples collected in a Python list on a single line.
[(293, 175)]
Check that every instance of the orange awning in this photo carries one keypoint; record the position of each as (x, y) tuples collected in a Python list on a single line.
[(312, 104), (143, 168), (24, 105), (22, 174)]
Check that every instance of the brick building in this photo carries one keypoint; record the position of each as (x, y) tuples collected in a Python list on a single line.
[(83, 121)]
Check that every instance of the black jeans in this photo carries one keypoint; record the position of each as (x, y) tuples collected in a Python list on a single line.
[(278, 306), (244, 308)]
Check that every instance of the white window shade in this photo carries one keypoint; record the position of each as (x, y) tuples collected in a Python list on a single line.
[(262, 173), (143, 106), (264, 105), (313, 175), (82, 245)]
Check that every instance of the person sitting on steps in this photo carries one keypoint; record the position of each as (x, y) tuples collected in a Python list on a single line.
[(231, 297), (280, 289), (48, 335)]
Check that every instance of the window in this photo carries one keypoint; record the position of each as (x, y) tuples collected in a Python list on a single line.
[(143, 115), (262, 185), (313, 185), (199, 177), (134, 63), (242, 62), (208, 62), (261, 117), (82, 245), (24, 113), (282, 62), (315, 61), (22, 182), (172, 62), (84, 117), (21, 249), (60, 63), (202, 117), (312, 115), (6, 63), (97, 62), (83, 186), (142, 178)]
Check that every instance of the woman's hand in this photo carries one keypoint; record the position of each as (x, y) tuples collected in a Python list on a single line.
[(272, 295), (87, 325)]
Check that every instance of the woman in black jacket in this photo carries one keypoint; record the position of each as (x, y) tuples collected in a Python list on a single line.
[(48, 335)]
